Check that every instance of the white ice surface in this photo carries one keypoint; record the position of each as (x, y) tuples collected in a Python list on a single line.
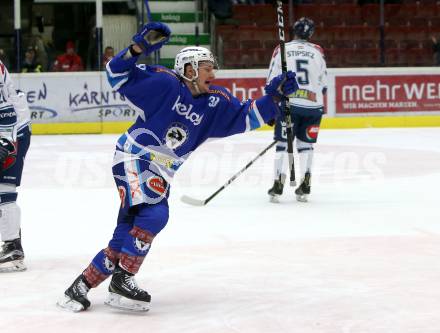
[(363, 255)]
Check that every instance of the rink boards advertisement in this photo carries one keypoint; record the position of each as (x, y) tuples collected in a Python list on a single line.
[(387, 93), (364, 92), (86, 98), (73, 97)]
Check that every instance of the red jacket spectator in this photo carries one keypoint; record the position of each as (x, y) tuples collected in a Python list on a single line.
[(69, 61)]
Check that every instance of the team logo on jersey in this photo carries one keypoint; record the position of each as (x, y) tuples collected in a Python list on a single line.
[(176, 135), (141, 245), (157, 184), (312, 132), (186, 110), (276, 51)]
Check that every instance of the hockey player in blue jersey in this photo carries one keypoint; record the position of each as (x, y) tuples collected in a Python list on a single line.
[(178, 111), (14, 142)]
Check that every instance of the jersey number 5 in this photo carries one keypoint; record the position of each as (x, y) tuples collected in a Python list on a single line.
[(302, 73)]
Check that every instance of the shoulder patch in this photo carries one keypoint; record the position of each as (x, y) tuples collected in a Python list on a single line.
[(165, 70), (275, 51), (219, 92), (319, 48)]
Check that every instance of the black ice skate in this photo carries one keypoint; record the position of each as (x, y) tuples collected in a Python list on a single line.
[(277, 188), (303, 190), (75, 297), (11, 256), (125, 294)]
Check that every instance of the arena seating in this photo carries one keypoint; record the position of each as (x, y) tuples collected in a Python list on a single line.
[(349, 33)]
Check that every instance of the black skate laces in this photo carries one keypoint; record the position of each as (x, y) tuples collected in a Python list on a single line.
[(129, 279)]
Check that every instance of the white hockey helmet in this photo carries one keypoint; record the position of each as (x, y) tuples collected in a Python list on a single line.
[(192, 55)]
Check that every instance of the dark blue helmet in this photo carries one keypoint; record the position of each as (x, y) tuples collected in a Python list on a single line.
[(304, 28)]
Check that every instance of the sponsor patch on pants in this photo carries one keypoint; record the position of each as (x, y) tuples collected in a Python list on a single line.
[(312, 132), (156, 184)]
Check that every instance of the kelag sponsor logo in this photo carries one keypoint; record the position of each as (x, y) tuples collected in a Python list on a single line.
[(385, 93), (185, 110), (107, 104)]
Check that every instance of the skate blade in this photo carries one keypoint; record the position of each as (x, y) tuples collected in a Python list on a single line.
[(12, 266), (69, 304), (302, 198), (274, 199), (119, 302)]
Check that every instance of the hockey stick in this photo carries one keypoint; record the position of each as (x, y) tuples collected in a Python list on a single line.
[(196, 202), (285, 102)]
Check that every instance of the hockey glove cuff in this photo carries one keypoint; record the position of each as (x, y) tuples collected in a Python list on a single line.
[(282, 85), (152, 37)]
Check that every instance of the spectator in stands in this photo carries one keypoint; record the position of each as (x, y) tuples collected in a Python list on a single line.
[(41, 55), (69, 61), (436, 50), (30, 63), (109, 53)]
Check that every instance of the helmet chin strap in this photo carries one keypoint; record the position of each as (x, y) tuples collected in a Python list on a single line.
[(193, 82), (196, 86)]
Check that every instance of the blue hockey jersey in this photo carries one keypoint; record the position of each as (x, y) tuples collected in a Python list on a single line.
[(172, 123)]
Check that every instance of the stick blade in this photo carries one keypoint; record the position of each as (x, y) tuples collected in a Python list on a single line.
[(192, 201)]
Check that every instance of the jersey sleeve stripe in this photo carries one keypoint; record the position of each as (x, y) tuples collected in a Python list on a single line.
[(112, 74), (118, 81), (248, 124), (254, 117)]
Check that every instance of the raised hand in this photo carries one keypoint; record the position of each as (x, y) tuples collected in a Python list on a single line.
[(152, 36)]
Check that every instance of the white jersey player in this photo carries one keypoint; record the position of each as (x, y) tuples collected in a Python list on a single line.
[(306, 105), (14, 143)]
